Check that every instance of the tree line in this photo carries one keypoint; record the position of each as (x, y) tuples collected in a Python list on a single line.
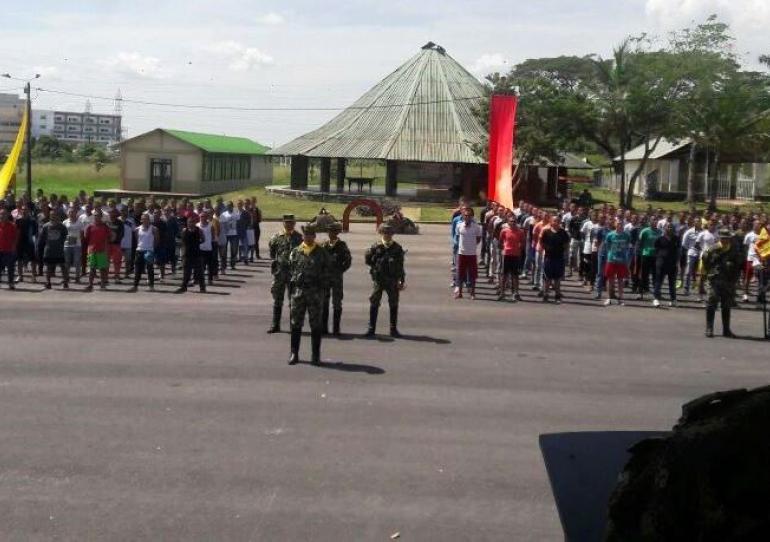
[(690, 85)]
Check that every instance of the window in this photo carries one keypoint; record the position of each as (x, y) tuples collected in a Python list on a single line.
[(103, 130), (104, 138), (58, 128), (226, 167), (89, 129), (59, 118), (43, 126), (73, 128), (105, 121), (90, 120), (43, 117), (73, 118)]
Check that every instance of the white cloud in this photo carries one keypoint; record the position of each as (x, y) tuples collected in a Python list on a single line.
[(240, 57), (488, 63), (137, 65), (271, 19)]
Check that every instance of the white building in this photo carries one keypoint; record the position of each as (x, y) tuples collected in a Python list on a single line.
[(77, 128)]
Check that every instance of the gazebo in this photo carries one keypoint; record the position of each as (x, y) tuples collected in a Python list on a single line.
[(419, 120)]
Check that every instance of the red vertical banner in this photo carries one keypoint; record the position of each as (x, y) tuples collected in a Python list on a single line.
[(502, 128)]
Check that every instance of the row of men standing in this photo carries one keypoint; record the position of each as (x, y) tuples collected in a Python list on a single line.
[(312, 276)]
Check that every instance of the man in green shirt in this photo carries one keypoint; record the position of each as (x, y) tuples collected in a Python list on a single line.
[(646, 248)]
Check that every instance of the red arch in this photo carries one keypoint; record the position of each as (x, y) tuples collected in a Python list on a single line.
[(360, 203)]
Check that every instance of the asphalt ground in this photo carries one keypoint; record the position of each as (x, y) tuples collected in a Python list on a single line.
[(153, 416)]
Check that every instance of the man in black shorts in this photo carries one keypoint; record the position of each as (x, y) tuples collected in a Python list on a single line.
[(555, 242)]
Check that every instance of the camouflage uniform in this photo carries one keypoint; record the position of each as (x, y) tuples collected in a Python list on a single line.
[(309, 281), (721, 267), (340, 259), (386, 265), (281, 246)]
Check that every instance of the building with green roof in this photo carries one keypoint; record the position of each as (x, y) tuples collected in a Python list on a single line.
[(181, 162)]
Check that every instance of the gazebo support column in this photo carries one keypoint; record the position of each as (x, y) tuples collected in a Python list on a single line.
[(299, 166), (391, 171), (326, 174), (341, 165)]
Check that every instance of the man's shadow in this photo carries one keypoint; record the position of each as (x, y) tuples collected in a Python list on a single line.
[(347, 367)]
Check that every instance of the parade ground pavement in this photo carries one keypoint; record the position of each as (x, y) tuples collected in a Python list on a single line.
[(154, 416)]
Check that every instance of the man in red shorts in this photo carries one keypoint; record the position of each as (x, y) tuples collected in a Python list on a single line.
[(616, 268)]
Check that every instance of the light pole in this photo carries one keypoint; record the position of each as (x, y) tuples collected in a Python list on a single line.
[(28, 92)]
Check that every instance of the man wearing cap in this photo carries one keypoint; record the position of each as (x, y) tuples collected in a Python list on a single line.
[(340, 260), (309, 270), (721, 267), (280, 247), (386, 266)]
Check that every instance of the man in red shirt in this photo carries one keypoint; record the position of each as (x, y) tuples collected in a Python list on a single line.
[(512, 241), (97, 239), (8, 238)]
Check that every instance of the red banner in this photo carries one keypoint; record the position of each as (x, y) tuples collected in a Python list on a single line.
[(502, 128)]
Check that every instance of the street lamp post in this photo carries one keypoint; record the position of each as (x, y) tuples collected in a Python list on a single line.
[(28, 92)]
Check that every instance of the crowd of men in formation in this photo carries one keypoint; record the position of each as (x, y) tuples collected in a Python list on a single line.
[(613, 251), (92, 237), (109, 239)]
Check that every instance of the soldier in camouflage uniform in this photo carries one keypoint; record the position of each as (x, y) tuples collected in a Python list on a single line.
[(309, 269), (721, 267), (281, 245), (386, 265), (339, 254)]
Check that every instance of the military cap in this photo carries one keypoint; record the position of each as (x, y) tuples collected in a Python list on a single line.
[(309, 229), (724, 233), (288, 218), (386, 229), (334, 226)]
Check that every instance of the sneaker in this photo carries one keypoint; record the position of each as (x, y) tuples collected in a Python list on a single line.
[(545, 299), (598, 295), (621, 303), (541, 294), (608, 302), (473, 297), (640, 297), (745, 298), (672, 304), (88, 288), (132, 289), (151, 289), (65, 286), (655, 303), (536, 288), (516, 297), (458, 295), (557, 299), (47, 285), (501, 297)]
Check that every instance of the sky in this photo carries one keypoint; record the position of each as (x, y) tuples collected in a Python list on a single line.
[(304, 53)]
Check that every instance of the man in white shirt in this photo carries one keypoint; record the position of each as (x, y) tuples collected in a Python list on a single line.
[(752, 260), (73, 244), (228, 222), (705, 240), (468, 236), (693, 253)]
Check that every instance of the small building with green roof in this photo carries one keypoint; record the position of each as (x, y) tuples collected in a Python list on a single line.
[(180, 162)]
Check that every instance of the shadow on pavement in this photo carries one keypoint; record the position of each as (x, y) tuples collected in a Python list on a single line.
[(347, 367), (583, 469), (424, 339)]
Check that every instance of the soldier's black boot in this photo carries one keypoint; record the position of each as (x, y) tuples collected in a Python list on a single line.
[(325, 318), (315, 338), (710, 314), (394, 323), (296, 337), (336, 324), (726, 331), (373, 311), (276, 327)]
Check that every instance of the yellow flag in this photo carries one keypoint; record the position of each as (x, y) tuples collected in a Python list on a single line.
[(9, 168)]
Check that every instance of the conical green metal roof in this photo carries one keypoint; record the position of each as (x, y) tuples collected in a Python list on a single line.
[(423, 111)]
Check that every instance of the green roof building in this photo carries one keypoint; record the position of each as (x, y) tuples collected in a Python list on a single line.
[(191, 163)]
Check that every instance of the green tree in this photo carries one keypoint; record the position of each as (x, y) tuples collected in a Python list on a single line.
[(723, 106), (49, 148)]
